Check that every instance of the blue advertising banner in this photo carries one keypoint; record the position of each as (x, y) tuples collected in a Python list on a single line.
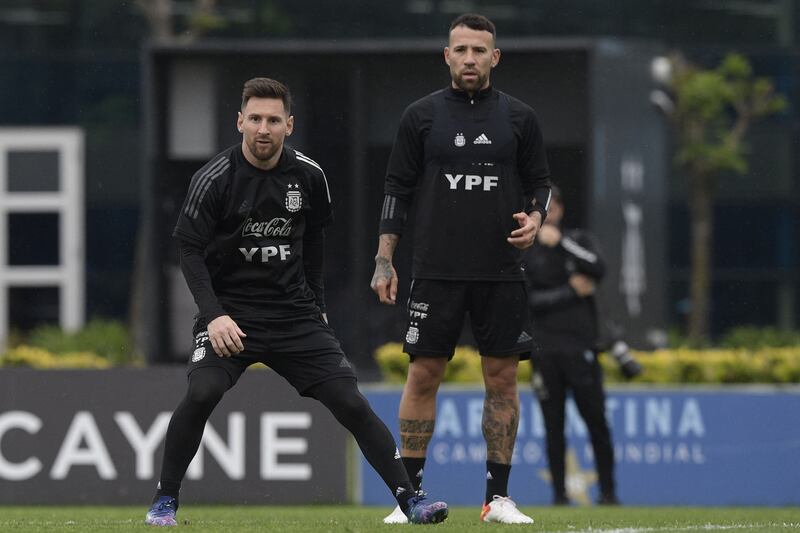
[(731, 446)]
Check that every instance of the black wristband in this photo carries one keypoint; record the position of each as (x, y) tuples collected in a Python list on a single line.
[(535, 206)]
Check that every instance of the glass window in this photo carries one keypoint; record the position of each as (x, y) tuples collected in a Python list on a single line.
[(29, 307), (33, 239), (33, 171)]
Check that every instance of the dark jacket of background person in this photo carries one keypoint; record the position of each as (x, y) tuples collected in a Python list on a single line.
[(562, 270), (560, 316)]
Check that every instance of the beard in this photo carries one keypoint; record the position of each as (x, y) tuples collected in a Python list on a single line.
[(471, 85), (262, 153)]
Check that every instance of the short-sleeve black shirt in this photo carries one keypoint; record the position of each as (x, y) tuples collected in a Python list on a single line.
[(251, 224)]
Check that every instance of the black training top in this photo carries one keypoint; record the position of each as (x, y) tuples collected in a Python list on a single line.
[(561, 319), (469, 163), (251, 225)]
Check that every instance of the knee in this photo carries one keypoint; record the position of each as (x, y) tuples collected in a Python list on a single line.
[(351, 410), (424, 378), (502, 380), (342, 398), (204, 393), (353, 405)]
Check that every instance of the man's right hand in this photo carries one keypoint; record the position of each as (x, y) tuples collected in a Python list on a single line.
[(384, 281), (225, 336)]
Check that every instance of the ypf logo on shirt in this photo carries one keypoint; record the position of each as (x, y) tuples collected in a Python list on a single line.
[(471, 182), (294, 200)]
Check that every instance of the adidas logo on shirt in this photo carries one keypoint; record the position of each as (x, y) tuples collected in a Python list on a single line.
[(482, 139)]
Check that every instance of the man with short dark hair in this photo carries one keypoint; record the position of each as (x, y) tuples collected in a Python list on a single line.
[(472, 159), (251, 234)]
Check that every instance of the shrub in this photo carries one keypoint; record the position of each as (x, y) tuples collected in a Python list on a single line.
[(753, 338), (681, 365), (35, 357), (107, 339)]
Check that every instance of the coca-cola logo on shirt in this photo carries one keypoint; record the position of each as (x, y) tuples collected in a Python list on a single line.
[(277, 227)]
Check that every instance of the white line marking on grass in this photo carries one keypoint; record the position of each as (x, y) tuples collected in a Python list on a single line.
[(706, 527)]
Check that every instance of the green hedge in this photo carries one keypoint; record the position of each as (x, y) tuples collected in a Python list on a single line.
[(35, 357), (682, 365), (99, 344)]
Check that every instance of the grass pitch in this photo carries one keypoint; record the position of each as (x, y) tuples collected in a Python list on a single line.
[(353, 519)]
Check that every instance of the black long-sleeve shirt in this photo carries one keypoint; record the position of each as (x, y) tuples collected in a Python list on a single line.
[(468, 163), (252, 241), (561, 319)]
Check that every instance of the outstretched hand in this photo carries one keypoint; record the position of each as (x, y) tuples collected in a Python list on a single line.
[(528, 227), (225, 336)]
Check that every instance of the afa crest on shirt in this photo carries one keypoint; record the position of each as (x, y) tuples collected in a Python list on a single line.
[(459, 140), (294, 199)]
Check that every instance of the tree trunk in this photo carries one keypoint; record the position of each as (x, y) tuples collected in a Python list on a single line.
[(159, 18), (702, 226)]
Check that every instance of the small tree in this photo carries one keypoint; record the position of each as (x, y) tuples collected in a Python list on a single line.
[(711, 111)]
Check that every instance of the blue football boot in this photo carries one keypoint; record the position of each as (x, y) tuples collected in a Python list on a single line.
[(422, 511), (162, 512)]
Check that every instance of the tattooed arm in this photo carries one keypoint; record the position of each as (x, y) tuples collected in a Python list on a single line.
[(384, 280)]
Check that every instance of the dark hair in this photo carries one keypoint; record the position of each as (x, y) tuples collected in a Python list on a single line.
[(267, 88), (474, 21)]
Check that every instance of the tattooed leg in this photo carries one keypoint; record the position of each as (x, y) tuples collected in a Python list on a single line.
[(418, 405), (415, 436), (500, 408), (500, 421)]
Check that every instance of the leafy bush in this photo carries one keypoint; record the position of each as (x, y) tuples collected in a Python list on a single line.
[(753, 338), (35, 357), (465, 367), (683, 365), (105, 338), (100, 344)]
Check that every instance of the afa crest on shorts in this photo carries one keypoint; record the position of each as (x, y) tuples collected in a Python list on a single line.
[(412, 335), (294, 200)]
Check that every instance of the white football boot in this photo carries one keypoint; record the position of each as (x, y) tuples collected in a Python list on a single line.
[(503, 510), (396, 517)]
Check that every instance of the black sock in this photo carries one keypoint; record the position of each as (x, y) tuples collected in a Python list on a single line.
[(496, 480), (167, 488), (414, 467), (403, 501)]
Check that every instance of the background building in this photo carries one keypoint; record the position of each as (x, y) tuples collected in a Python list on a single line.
[(84, 63)]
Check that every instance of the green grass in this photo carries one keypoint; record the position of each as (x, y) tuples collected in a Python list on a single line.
[(353, 519)]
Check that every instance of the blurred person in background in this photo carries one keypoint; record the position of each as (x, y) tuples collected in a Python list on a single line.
[(562, 270), (472, 159), (251, 236)]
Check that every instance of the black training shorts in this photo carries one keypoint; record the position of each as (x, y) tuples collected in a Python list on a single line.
[(303, 350), (498, 314)]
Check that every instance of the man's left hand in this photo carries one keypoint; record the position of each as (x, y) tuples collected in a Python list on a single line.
[(528, 227)]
